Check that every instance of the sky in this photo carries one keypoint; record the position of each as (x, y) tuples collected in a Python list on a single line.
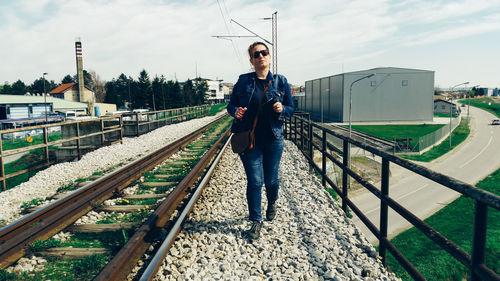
[(458, 40)]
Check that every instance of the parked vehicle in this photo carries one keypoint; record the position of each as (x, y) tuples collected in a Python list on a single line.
[(495, 122)]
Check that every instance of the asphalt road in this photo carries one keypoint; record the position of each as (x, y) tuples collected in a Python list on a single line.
[(477, 157)]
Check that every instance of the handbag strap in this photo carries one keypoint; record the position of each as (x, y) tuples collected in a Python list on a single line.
[(259, 108)]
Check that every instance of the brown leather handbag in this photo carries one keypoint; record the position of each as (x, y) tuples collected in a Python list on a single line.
[(244, 141)]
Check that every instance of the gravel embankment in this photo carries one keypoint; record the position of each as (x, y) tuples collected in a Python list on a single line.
[(310, 239), (46, 182)]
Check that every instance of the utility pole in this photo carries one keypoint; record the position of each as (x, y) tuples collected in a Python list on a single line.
[(274, 43)]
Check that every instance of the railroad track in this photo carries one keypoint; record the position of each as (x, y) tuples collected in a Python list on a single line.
[(138, 204)]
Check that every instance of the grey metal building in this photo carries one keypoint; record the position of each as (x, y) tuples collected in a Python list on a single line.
[(392, 94)]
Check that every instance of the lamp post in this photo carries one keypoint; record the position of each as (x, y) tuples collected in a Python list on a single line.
[(45, 98), (350, 102), (350, 114), (321, 100), (465, 83), (468, 100)]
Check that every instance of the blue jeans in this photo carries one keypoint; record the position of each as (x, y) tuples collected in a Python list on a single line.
[(261, 167)]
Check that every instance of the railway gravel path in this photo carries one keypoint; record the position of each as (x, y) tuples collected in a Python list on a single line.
[(310, 239)]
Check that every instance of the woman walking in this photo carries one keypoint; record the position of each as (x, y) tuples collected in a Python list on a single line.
[(262, 162)]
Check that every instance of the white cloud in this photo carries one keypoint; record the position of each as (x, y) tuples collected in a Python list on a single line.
[(174, 38)]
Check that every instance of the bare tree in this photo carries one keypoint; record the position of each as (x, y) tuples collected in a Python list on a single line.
[(99, 86)]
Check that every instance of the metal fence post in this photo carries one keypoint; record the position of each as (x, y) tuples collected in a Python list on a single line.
[(302, 134), (2, 167), (345, 165), (323, 158), (46, 143), (310, 138), (479, 238), (384, 209)]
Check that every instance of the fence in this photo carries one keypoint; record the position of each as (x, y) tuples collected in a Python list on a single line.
[(23, 151), (299, 129), (423, 142)]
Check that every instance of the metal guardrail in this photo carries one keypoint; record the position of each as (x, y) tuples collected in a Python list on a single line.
[(81, 136), (299, 129)]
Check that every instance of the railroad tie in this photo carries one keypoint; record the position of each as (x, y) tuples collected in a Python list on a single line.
[(145, 196), (73, 253), (98, 228), (158, 183), (122, 208), (162, 176), (82, 183)]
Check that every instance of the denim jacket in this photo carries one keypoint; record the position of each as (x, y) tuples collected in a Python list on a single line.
[(242, 92)]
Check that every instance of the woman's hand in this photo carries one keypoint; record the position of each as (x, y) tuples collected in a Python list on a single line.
[(277, 107), (239, 112)]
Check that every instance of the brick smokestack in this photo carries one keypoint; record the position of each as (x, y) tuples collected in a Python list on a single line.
[(79, 70)]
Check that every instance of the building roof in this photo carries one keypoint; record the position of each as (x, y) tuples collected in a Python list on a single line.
[(440, 100), (62, 88), (57, 103)]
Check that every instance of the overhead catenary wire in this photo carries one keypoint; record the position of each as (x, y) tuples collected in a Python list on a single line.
[(237, 53)]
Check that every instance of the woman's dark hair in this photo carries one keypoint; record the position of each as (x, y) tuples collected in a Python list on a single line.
[(250, 48)]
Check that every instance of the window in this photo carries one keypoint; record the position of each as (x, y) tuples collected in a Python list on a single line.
[(404, 83), (443, 107), (373, 83)]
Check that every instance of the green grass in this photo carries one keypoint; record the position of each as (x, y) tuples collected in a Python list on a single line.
[(457, 137), (455, 222), (445, 115), (484, 103), (390, 132), (37, 139), (214, 109)]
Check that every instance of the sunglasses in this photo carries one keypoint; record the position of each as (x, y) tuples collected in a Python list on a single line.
[(257, 54)]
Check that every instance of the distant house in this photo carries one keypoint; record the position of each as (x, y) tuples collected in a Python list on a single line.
[(443, 107), (69, 92)]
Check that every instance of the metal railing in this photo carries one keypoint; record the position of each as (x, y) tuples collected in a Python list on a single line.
[(299, 129)]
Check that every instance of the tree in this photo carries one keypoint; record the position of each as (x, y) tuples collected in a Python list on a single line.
[(201, 89), (157, 86), (19, 88), (98, 86), (188, 93), (143, 97), (174, 95), (67, 79), (37, 86)]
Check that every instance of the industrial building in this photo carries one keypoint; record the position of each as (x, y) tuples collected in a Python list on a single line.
[(20, 111), (373, 95)]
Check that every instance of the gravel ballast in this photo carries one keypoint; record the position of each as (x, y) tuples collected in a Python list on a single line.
[(310, 239)]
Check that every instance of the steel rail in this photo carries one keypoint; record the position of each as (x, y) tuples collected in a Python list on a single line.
[(49, 220), (127, 258)]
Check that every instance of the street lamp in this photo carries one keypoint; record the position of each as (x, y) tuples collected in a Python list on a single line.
[(350, 102), (468, 100), (465, 83), (321, 100), (350, 114), (45, 98)]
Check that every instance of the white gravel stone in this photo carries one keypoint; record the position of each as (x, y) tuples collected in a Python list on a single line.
[(310, 238)]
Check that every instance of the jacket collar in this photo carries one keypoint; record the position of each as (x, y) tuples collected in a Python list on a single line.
[(269, 76)]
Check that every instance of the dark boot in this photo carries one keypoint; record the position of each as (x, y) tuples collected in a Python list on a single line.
[(271, 211), (254, 232)]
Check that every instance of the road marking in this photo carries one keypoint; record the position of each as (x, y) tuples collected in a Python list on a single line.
[(477, 155), (406, 195)]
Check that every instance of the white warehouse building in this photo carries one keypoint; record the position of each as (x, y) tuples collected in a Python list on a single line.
[(392, 94)]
